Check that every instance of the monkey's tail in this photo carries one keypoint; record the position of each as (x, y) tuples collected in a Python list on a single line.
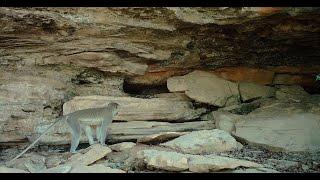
[(24, 151)]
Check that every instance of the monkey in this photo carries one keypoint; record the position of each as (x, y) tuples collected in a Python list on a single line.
[(83, 120)]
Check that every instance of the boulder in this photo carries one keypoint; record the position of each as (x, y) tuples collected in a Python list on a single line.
[(160, 109), (205, 87), (249, 91), (97, 168), (122, 146), (203, 142)]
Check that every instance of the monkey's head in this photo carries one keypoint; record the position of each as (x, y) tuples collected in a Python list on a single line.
[(114, 107)]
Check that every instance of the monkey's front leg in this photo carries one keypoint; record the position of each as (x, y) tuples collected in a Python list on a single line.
[(103, 132)]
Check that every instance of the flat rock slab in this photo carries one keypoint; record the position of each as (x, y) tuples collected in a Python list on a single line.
[(203, 141), (97, 168), (284, 132), (134, 109), (160, 137), (249, 91), (166, 160), (255, 170), (216, 163), (95, 153), (122, 146), (4, 169), (205, 87), (174, 161)]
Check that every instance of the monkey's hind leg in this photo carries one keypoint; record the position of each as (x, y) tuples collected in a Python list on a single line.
[(76, 133), (98, 133), (89, 134)]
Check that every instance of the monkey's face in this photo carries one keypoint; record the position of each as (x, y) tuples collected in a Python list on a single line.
[(114, 107)]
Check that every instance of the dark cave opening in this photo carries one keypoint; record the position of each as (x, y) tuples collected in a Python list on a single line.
[(144, 90)]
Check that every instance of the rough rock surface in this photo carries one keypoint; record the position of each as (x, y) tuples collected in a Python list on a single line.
[(203, 142), (205, 87)]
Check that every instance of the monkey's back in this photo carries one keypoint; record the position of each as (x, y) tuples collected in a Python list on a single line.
[(91, 116)]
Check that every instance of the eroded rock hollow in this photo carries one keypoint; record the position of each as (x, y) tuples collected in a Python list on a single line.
[(180, 74)]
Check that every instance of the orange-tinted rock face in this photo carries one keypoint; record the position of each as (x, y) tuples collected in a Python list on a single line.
[(267, 10), (156, 78), (245, 74), (285, 75)]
